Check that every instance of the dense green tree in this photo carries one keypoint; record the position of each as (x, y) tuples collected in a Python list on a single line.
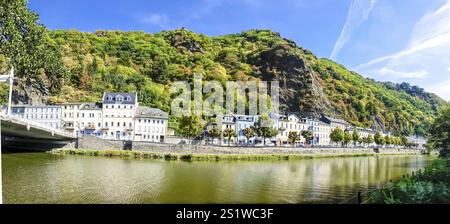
[(293, 137), (229, 133), (403, 141), (249, 133), (347, 138), (440, 132), (190, 126), (388, 140), (214, 133), (369, 139), (355, 136), (378, 138), (27, 45), (263, 128), (308, 136), (337, 135)]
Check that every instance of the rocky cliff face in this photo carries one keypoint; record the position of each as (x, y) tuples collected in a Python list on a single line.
[(30, 91), (300, 88)]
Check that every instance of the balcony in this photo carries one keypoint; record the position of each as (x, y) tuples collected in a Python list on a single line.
[(90, 127)]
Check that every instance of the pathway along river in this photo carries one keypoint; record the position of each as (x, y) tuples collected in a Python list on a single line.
[(46, 178)]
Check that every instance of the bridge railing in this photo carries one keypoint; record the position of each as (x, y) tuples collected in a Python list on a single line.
[(38, 125)]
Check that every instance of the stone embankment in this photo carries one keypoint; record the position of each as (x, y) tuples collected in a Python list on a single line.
[(99, 147)]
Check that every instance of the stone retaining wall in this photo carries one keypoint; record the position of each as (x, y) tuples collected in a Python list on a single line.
[(94, 143)]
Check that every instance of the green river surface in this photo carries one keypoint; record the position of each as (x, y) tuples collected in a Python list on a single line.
[(46, 178)]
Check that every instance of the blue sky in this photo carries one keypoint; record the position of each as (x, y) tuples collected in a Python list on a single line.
[(388, 40)]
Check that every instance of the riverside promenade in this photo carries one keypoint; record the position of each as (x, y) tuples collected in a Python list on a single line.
[(211, 152)]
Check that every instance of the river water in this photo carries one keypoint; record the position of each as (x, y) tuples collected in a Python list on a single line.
[(46, 178)]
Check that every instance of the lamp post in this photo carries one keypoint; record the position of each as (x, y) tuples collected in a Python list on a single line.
[(10, 79)]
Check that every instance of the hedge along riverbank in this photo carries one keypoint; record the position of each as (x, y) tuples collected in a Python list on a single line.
[(213, 157), (430, 186)]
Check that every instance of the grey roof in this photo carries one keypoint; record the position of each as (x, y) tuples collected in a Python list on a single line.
[(36, 106), (71, 103), (91, 106), (247, 118), (111, 98), (147, 112), (334, 120)]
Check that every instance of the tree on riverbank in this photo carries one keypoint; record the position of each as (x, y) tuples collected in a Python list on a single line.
[(26, 45), (263, 127), (214, 133), (229, 133), (293, 137), (337, 135), (369, 139), (190, 127), (249, 133), (308, 136), (439, 136), (347, 138), (378, 138), (355, 137)]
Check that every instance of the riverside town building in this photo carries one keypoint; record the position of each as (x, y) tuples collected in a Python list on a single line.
[(119, 117)]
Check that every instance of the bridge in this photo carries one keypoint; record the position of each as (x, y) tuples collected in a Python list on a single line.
[(29, 135)]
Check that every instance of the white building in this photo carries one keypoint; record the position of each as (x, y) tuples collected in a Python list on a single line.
[(290, 123), (322, 134), (242, 122), (70, 117), (91, 119), (150, 125), (119, 110), (45, 115)]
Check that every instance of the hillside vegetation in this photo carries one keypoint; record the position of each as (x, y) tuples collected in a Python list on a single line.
[(148, 63), (68, 65)]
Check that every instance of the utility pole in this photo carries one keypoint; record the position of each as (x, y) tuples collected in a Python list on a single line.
[(11, 82), (10, 79)]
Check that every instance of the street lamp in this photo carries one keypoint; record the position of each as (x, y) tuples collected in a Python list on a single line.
[(10, 79)]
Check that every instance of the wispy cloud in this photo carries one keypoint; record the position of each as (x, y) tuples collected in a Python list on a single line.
[(425, 55), (359, 12), (155, 19), (403, 74), (207, 6)]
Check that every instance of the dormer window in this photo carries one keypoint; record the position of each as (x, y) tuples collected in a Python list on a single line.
[(109, 98), (119, 98), (127, 98)]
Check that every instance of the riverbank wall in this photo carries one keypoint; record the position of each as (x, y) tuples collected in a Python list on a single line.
[(211, 153), (94, 143)]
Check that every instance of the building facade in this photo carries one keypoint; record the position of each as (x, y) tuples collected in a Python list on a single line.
[(150, 125), (70, 117), (119, 110), (45, 115), (91, 119)]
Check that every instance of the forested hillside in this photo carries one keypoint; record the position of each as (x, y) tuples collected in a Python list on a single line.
[(68, 65)]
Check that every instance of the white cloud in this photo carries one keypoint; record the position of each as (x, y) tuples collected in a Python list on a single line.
[(359, 11), (207, 7), (403, 74), (441, 89), (425, 60), (155, 19)]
